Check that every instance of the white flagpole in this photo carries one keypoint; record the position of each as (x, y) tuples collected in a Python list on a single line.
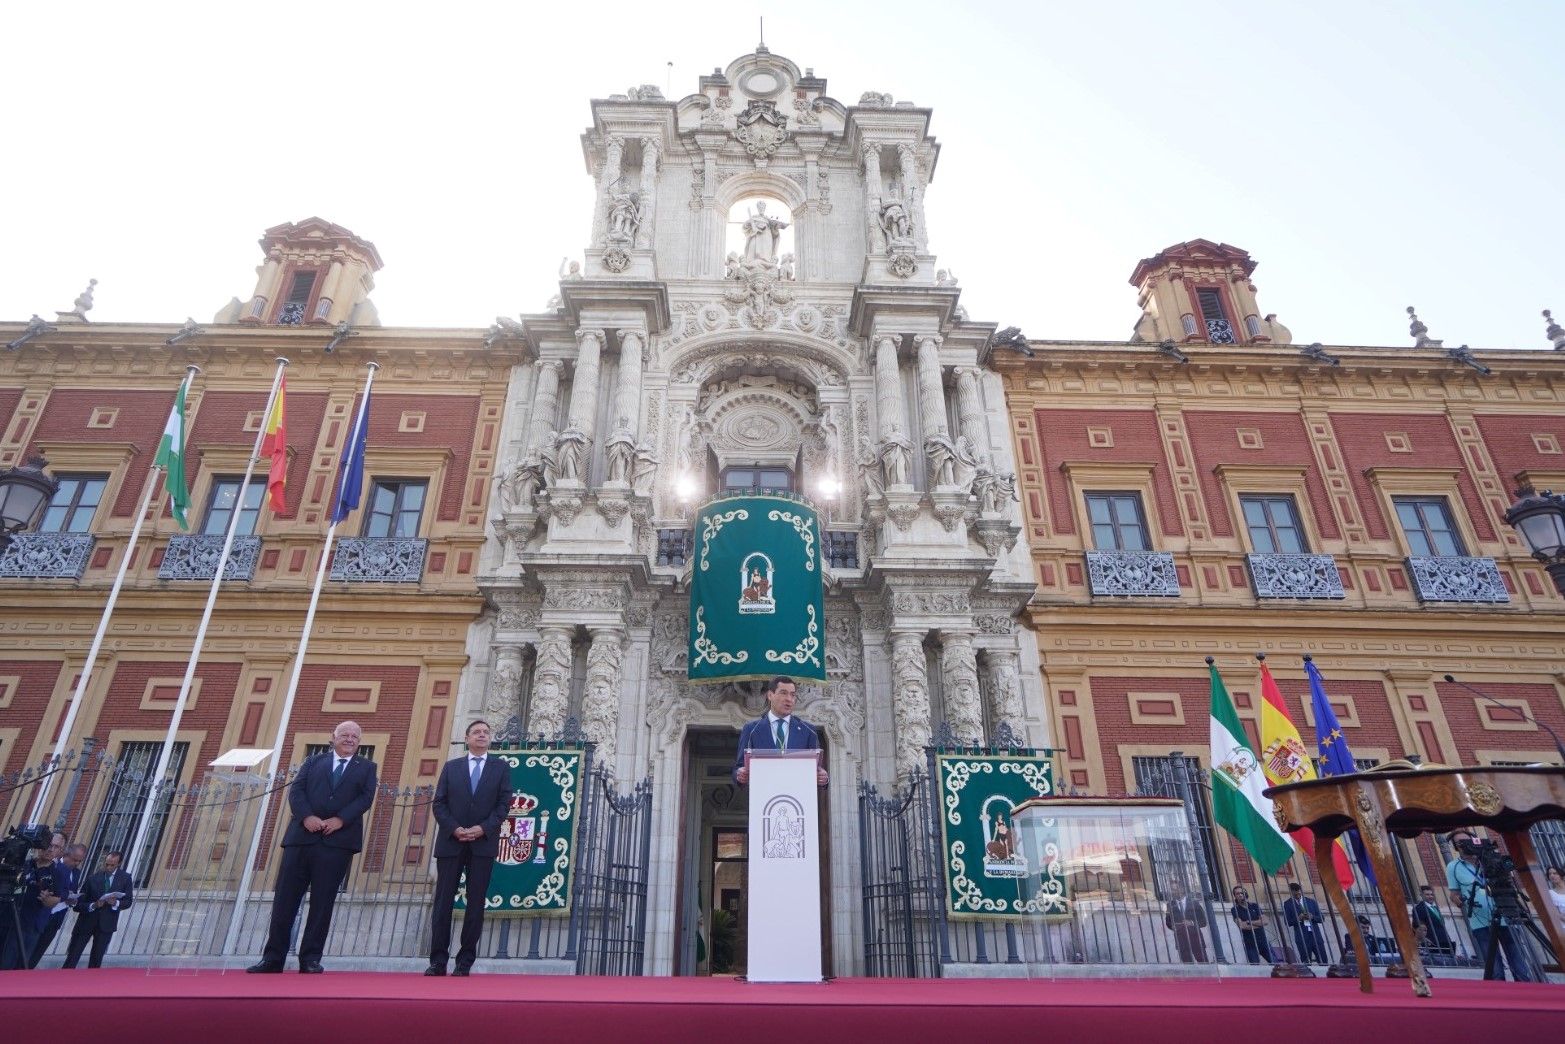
[(206, 618), (246, 876), (74, 707)]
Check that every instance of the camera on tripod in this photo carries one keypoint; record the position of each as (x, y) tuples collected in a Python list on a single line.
[(14, 847), (1487, 851)]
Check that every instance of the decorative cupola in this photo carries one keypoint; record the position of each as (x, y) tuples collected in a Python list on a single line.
[(315, 273), (1200, 291)]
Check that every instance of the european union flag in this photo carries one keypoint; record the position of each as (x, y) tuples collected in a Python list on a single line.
[(350, 476), (1336, 758)]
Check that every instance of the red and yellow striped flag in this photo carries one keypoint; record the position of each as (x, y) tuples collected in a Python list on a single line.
[(1285, 759), (274, 444)]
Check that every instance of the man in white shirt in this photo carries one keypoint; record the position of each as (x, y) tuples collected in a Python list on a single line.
[(777, 729), (472, 797)]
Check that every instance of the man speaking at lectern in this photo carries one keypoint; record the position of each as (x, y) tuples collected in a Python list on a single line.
[(777, 729)]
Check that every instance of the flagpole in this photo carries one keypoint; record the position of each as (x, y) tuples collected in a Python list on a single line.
[(232, 528), (74, 707), (242, 896)]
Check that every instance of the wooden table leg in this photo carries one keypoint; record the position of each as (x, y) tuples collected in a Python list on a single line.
[(1328, 877), (1395, 902), (1519, 844)]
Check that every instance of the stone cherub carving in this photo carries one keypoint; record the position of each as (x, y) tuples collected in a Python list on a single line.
[(761, 233), (569, 270)]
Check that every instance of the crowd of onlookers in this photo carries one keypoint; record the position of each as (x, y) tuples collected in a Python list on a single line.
[(55, 883)]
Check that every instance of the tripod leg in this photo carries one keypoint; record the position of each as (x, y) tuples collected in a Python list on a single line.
[(1519, 844)]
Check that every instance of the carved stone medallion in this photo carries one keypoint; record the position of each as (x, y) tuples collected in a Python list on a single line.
[(616, 260), (903, 266), (761, 128)]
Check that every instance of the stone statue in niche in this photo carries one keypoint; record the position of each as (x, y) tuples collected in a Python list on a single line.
[(644, 470), (621, 453), (992, 488), (761, 234), (626, 211), (785, 267), (870, 475), (571, 448), (897, 225), (942, 453), (896, 457), (518, 488)]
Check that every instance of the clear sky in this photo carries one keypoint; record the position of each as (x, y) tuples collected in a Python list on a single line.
[(1369, 155)]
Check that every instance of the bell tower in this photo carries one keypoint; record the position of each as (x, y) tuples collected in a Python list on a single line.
[(315, 273), (1201, 291)]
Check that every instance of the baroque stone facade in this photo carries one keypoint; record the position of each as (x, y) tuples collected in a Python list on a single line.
[(757, 304)]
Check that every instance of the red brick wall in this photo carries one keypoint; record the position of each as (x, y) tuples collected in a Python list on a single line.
[(1062, 437), (450, 423), (141, 419), (1462, 713), (122, 707), (1111, 707), (1361, 437), (1285, 442), (221, 421), (9, 397), (27, 707), (1509, 439)]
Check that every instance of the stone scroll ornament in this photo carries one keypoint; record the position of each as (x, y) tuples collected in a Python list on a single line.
[(757, 608), (537, 860), (992, 869)]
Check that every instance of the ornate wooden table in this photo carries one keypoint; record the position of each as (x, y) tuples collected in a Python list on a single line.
[(1415, 801)]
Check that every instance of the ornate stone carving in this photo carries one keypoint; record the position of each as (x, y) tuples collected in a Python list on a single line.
[(931, 603), (761, 129), (761, 234), (959, 673), (627, 210), (600, 697), (503, 698), (597, 599), (520, 485), (903, 266), (616, 260), (897, 224), (551, 683), (909, 700), (760, 286), (516, 616), (1002, 669), (613, 506)]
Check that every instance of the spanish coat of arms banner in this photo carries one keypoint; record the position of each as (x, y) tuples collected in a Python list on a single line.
[(537, 858), (757, 608), (990, 870)]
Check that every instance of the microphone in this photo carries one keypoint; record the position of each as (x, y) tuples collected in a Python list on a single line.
[(1558, 745)]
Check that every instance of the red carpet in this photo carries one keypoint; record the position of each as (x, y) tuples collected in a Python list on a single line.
[(125, 1006)]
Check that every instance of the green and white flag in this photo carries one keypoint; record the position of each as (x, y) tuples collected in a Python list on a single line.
[(171, 458), (1237, 782)]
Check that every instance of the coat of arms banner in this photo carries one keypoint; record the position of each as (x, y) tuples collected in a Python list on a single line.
[(537, 859), (757, 607), (991, 870)]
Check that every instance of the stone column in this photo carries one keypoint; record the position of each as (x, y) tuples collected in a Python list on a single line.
[(875, 243), (505, 685), (888, 385), (909, 700), (913, 187), (582, 423), (546, 405), (551, 683), (1003, 681), (328, 291), (613, 156), (650, 157), (931, 397), (265, 288), (600, 700), (627, 389), (970, 410), (959, 673)]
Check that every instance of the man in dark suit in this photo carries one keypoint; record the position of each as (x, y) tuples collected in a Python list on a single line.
[(104, 895), (1429, 925), (68, 882), (1185, 917), (472, 797), (1302, 914), (329, 798), (777, 729)]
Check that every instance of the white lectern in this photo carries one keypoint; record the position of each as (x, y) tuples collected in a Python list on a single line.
[(784, 893)]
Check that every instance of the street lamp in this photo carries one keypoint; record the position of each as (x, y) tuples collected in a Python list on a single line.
[(1540, 518), (24, 493)]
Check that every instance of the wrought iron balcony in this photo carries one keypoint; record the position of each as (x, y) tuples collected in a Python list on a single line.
[(381, 561), (1457, 579), (1218, 331), (46, 556), (842, 548), (1295, 576), (292, 314), (1132, 573), (194, 557), (674, 546)]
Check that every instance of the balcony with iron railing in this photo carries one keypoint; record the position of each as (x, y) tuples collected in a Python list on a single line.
[(46, 556), (194, 556), (1457, 578), (379, 560), (1132, 574), (1295, 576), (840, 546)]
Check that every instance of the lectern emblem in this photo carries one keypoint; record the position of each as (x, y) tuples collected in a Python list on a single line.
[(782, 825)]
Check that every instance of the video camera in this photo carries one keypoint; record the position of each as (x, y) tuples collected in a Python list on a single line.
[(1487, 851), (14, 847)]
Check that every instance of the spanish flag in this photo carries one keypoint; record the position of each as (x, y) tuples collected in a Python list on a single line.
[(274, 444), (1285, 759)]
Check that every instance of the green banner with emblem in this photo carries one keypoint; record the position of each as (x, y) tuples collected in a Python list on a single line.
[(537, 858), (757, 606), (990, 870)]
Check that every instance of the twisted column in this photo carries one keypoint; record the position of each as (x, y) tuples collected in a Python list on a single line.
[(909, 700), (551, 683), (600, 700), (959, 672)]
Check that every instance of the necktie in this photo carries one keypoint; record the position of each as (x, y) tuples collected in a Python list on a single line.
[(478, 770), (782, 734), (336, 773)]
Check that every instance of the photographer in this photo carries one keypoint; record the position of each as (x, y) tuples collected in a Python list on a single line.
[(1466, 879), (32, 896)]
